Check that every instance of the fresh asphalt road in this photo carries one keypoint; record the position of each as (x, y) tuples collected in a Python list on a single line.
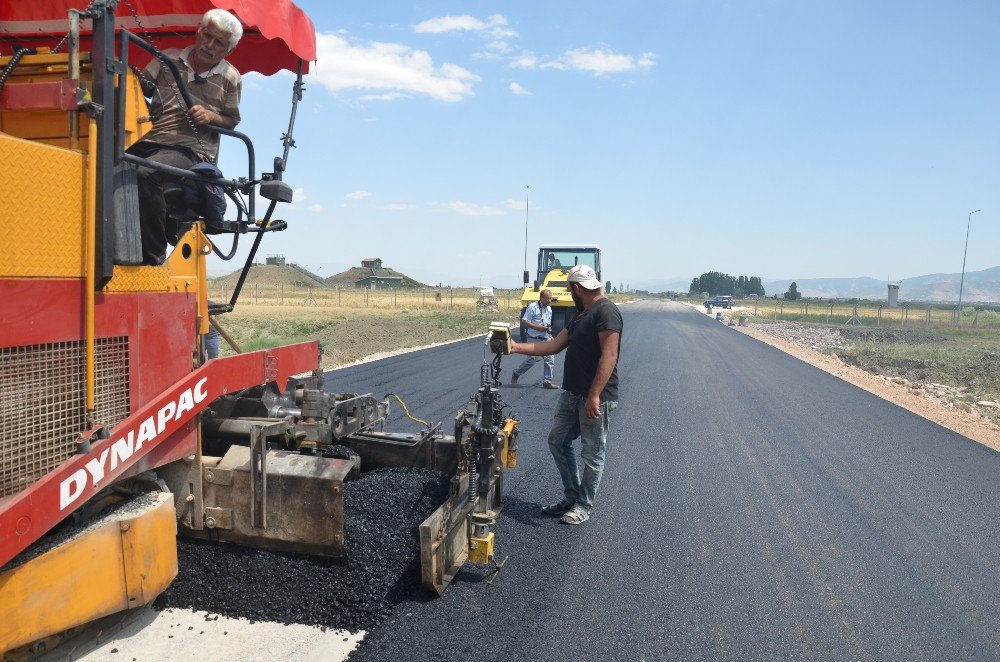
[(752, 507)]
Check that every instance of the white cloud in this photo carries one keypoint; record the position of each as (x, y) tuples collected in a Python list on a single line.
[(298, 196), (524, 61), (397, 206), (358, 195), (499, 28), (450, 24), (600, 61), (315, 208), (495, 26), (387, 69), (470, 209), (517, 89), (388, 96), (514, 205), (499, 45), (647, 60)]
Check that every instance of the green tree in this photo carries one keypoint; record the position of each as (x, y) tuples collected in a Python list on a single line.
[(716, 282), (793, 293)]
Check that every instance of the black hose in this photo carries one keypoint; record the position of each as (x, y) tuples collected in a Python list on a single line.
[(232, 251), (236, 237), (14, 61)]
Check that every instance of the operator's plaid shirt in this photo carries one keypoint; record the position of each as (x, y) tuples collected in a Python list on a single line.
[(218, 90)]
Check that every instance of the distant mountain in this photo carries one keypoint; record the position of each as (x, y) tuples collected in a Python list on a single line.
[(656, 285), (980, 286)]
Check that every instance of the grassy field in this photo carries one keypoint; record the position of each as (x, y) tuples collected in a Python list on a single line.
[(349, 330), (899, 346), (955, 356), (909, 315), (348, 335), (454, 299), (926, 343), (256, 294)]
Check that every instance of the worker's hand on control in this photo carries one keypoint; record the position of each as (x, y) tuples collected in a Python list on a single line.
[(201, 115), (592, 408), (514, 347)]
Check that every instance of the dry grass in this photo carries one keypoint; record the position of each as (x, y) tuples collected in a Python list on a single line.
[(350, 330), (869, 314), (263, 295), (348, 335)]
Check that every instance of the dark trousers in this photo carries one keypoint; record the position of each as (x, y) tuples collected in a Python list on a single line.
[(152, 207)]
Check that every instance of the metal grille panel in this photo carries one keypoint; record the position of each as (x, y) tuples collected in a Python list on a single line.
[(42, 404)]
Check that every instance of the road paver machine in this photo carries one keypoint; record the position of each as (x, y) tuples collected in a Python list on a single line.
[(107, 399)]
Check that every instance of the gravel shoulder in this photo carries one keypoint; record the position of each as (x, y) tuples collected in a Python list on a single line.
[(934, 402)]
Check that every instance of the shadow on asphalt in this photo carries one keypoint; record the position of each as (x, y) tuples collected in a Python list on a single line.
[(528, 513)]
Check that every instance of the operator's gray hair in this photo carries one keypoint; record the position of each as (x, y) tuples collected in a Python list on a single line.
[(226, 22)]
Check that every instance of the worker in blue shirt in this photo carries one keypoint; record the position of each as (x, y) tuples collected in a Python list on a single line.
[(537, 321)]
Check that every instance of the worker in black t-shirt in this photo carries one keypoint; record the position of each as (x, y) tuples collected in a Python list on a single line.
[(590, 392)]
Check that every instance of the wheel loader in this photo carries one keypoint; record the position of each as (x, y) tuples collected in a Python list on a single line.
[(554, 263), (108, 402)]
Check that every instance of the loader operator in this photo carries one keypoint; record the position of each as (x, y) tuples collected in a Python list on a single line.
[(175, 140), (590, 392), (537, 320)]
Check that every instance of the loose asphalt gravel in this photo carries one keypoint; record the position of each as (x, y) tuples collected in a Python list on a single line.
[(382, 512), (752, 507)]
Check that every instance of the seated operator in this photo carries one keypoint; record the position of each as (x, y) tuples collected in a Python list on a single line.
[(175, 140)]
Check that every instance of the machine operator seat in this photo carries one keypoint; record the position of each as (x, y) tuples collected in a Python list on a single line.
[(187, 201)]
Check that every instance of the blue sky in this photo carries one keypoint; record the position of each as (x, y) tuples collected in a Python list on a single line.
[(784, 139)]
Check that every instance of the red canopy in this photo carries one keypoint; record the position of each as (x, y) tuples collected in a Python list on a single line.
[(276, 32)]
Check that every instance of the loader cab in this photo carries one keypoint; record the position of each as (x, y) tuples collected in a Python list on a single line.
[(565, 258)]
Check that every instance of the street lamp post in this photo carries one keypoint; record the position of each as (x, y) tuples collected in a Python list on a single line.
[(961, 283)]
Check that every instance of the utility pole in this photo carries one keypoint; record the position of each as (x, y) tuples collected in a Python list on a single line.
[(961, 283), (526, 206)]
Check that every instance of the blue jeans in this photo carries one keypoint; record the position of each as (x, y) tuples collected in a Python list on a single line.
[(211, 340), (570, 422), (548, 363)]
